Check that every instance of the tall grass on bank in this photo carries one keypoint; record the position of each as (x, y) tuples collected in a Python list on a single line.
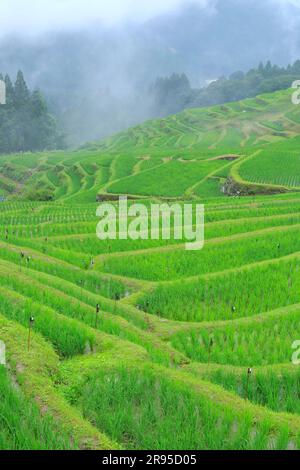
[(89, 280), (68, 336), (177, 264), (280, 392), (21, 425), (253, 343), (143, 411), (227, 296)]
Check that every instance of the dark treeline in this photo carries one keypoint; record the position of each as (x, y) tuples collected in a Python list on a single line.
[(25, 123), (174, 93)]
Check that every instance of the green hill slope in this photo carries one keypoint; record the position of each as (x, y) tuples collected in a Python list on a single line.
[(264, 119), (183, 155)]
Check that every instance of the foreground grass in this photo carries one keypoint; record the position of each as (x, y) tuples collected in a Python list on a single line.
[(36, 371), (279, 392), (176, 412), (22, 426)]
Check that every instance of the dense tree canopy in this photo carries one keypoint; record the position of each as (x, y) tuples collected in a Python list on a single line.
[(174, 93), (171, 94), (25, 123)]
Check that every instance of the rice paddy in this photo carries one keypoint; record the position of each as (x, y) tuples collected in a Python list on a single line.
[(141, 344)]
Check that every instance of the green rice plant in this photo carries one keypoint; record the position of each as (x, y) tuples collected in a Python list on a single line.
[(248, 268), (273, 167), (235, 294), (79, 238), (213, 257), (85, 279), (78, 259), (21, 425), (170, 179), (67, 306), (250, 343), (145, 411), (277, 391), (67, 336)]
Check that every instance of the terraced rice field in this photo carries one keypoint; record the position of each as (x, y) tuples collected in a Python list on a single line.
[(163, 362), (274, 166), (164, 319), (186, 155)]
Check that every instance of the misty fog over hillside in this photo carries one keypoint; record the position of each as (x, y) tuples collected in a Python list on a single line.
[(96, 71)]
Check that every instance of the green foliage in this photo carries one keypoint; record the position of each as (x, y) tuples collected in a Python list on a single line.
[(174, 417), (178, 264), (273, 167), (235, 294), (279, 392), (171, 179), (173, 94), (25, 123), (185, 155), (132, 337), (250, 343), (22, 426), (67, 336)]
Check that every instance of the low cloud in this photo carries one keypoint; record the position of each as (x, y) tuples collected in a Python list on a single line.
[(37, 16)]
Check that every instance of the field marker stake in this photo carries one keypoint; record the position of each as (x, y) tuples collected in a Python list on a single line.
[(31, 324), (22, 255), (211, 343), (117, 297), (97, 314), (249, 373)]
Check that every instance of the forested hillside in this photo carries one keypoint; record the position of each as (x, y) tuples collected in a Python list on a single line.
[(175, 93), (25, 123)]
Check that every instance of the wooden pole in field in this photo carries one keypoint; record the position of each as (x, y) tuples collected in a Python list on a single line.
[(249, 373), (22, 255), (117, 297), (31, 323), (211, 343), (97, 315)]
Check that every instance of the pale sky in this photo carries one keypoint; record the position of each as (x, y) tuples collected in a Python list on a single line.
[(29, 16), (36, 16)]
